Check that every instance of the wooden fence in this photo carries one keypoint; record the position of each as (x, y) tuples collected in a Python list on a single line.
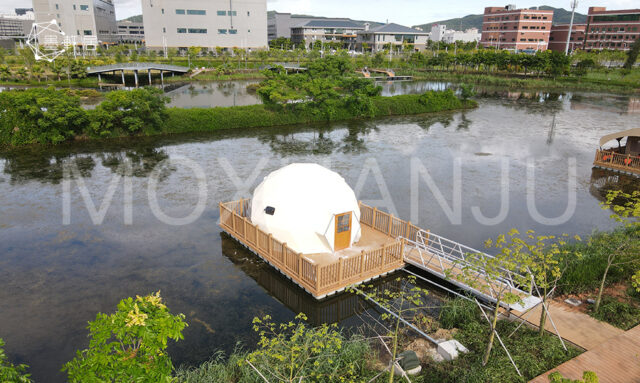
[(319, 280), (388, 224), (616, 161)]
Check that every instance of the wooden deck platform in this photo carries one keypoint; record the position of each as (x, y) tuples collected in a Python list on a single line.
[(379, 252), (617, 360), (576, 327)]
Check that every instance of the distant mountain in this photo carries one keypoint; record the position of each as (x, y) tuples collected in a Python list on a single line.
[(134, 19), (560, 16)]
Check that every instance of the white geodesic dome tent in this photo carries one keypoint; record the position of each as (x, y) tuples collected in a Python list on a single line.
[(298, 204)]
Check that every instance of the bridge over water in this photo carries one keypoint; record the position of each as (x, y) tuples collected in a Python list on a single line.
[(136, 68)]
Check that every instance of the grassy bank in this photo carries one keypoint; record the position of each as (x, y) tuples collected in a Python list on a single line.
[(593, 82), (49, 116), (256, 116)]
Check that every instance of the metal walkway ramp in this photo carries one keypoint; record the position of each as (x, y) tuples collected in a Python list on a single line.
[(445, 258)]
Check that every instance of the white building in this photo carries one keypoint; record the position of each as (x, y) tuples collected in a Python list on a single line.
[(468, 36), (205, 23), (391, 34), (437, 32), (84, 19), (340, 32)]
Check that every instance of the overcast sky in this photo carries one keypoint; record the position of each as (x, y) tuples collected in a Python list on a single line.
[(406, 12)]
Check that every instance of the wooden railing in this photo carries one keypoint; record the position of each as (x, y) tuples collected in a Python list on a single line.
[(388, 224), (319, 280), (617, 161)]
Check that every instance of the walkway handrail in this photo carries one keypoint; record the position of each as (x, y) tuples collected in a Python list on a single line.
[(610, 159)]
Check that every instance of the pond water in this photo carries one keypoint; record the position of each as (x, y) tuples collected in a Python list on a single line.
[(444, 172)]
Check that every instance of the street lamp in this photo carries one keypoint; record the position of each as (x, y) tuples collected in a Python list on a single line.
[(574, 5)]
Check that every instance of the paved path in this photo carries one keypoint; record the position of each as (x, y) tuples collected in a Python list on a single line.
[(617, 360), (575, 326)]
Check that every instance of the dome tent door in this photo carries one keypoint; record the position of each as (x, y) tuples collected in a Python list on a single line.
[(343, 231)]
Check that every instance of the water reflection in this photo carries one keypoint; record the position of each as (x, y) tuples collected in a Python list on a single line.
[(213, 94), (604, 181)]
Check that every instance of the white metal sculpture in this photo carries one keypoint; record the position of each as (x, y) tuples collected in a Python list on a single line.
[(46, 40)]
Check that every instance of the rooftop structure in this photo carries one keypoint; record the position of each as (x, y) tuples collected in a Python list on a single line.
[(615, 29), (559, 33), (205, 23), (469, 36), (89, 19), (516, 29), (130, 32), (394, 35), (342, 33), (280, 24)]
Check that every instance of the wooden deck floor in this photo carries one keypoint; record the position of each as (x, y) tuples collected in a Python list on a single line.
[(369, 240), (574, 326), (617, 360)]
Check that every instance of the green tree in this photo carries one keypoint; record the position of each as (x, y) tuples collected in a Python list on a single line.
[(632, 55), (5, 73), (40, 115), (401, 305), (129, 112), (626, 210), (129, 345), (508, 263), (10, 373)]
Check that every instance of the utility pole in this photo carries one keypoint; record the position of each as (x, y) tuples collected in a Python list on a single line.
[(574, 5)]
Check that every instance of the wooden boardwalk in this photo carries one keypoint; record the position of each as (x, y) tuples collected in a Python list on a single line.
[(574, 326), (617, 360)]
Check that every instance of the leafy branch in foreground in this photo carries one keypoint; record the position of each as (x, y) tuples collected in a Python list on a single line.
[(10, 372), (402, 303), (129, 345), (626, 210), (294, 352)]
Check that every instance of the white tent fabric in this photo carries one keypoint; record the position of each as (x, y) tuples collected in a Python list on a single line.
[(306, 198)]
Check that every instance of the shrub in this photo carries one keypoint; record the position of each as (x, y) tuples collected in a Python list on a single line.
[(10, 372), (587, 377), (289, 352), (620, 314), (584, 274), (457, 312), (129, 113), (39, 116), (129, 345)]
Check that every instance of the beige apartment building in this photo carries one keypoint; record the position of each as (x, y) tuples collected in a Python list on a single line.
[(81, 20), (205, 23), (517, 30)]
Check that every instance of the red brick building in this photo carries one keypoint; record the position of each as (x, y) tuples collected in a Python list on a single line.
[(516, 29), (558, 37), (612, 29)]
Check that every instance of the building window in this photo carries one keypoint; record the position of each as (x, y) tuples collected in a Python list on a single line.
[(57, 6), (180, 12), (248, 13), (221, 13), (163, 11), (182, 30), (87, 32), (84, 7), (74, 7), (197, 30), (222, 31), (164, 30), (233, 31), (199, 12)]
